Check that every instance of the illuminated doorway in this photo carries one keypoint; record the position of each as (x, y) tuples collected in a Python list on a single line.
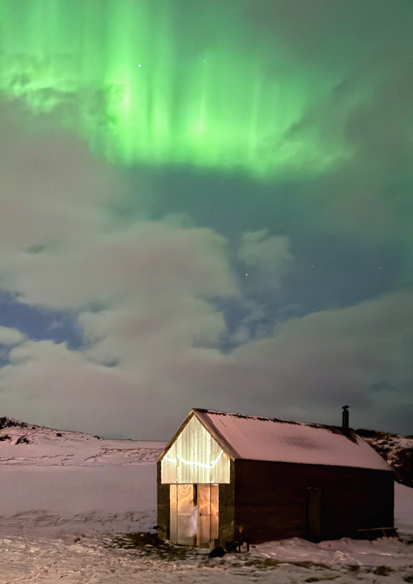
[(194, 513)]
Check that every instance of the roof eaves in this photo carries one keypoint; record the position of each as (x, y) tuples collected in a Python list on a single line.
[(175, 436), (208, 424)]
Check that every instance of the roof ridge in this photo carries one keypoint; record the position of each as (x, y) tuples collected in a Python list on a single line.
[(265, 418)]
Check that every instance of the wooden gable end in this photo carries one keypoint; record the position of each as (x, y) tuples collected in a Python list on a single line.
[(195, 457)]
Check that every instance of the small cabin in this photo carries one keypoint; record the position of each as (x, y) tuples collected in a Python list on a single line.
[(233, 478)]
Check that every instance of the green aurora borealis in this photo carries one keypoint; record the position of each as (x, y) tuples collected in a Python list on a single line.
[(156, 82)]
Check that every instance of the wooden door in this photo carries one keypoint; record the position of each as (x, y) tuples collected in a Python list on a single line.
[(183, 514), (194, 512), (314, 513), (208, 511)]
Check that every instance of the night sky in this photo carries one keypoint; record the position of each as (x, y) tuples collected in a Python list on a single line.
[(206, 204)]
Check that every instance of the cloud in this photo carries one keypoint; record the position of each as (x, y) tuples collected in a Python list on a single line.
[(146, 260), (51, 188), (363, 126), (265, 257), (340, 35), (11, 336), (45, 383), (314, 364), (143, 295), (62, 248), (139, 376), (141, 291)]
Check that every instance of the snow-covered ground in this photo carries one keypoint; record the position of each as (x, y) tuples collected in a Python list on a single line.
[(66, 497)]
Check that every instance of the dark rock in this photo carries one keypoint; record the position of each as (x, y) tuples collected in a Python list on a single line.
[(9, 423), (145, 538), (217, 552)]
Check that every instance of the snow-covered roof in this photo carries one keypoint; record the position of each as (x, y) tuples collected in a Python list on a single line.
[(269, 439)]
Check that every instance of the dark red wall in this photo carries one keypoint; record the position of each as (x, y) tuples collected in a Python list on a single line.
[(271, 500)]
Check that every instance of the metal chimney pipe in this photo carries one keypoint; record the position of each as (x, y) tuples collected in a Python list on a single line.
[(345, 423)]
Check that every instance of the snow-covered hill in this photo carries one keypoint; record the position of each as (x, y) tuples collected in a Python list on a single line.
[(396, 449), (22, 443), (68, 501)]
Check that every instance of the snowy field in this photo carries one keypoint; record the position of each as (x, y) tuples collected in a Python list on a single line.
[(67, 499)]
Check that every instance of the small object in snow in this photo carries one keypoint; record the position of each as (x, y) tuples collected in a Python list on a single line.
[(237, 546), (217, 552)]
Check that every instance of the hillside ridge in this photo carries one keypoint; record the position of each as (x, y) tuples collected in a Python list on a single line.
[(397, 450)]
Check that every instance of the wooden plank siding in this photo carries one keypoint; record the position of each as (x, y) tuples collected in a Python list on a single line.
[(271, 499), (163, 507), (227, 509), (195, 457)]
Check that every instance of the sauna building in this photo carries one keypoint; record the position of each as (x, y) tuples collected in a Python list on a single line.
[(231, 477)]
